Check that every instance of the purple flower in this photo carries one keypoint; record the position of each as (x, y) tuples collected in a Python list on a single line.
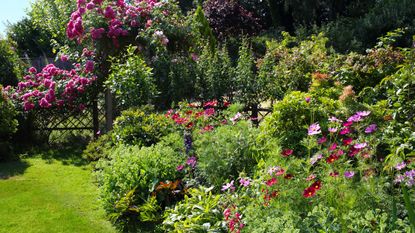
[(273, 170), (307, 99), (400, 166), (332, 130), (349, 174), (360, 145), (191, 161), (228, 186), (410, 182), (410, 174), (314, 129), (236, 117), (371, 128), (180, 168), (244, 182), (355, 118)]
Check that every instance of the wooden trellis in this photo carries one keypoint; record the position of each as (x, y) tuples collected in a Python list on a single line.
[(47, 121)]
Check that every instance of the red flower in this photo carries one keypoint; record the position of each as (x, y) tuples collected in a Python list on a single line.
[(332, 158), (207, 128), (189, 125), (271, 182), (287, 152), (334, 174), (347, 141), (309, 192), (348, 123), (316, 185)]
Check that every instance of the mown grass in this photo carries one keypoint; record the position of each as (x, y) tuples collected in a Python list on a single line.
[(47, 194)]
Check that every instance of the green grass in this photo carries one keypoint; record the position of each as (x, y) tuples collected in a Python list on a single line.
[(49, 195)]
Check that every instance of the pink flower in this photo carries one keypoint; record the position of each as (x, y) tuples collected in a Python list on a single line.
[(315, 158), (28, 106), (229, 186), (322, 140), (363, 113), (244, 182), (90, 5), (236, 117), (334, 120), (96, 33), (400, 166), (332, 130), (286, 152), (109, 13), (64, 58), (89, 66), (271, 182), (347, 141), (307, 99), (180, 167), (345, 131), (314, 129), (44, 103), (360, 145), (333, 147), (192, 161), (209, 112), (32, 70), (310, 177)]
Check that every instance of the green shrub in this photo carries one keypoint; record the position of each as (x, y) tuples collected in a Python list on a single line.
[(292, 116), (131, 80), (129, 180), (200, 211), (8, 125), (9, 64), (141, 127), (225, 152), (99, 148)]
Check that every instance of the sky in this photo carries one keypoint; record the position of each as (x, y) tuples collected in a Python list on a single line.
[(12, 11)]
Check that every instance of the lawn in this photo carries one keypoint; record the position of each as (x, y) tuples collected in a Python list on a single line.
[(49, 193)]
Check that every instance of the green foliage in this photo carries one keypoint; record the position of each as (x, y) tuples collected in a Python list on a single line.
[(130, 176), (292, 116), (200, 211), (141, 127), (288, 65), (10, 68), (249, 90), (99, 148), (8, 125), (215, 79), (225, 152), (131, 80)]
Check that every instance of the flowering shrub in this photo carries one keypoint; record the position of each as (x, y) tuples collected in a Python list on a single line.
[(8, 124)]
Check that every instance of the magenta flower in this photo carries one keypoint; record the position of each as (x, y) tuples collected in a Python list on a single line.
[(344, 131), (44, 103), (333, 147), (191, 161), (355, 118), (349, 174), (209, 112), (32, 70), (371, 128), (244, 182), (229, 186), (314, 129), (360, 145), (64, 58), (307, 99), (89, 66), (322, 140), (180, 167)]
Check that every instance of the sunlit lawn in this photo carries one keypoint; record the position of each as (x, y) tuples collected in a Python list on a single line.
[(49, 195)]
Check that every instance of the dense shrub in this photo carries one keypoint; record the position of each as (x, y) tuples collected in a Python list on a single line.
[(141, 127), (131, 80), (8, 125), (9, 64), (293, 114), (131, 183), (225, 152), (99, 148)]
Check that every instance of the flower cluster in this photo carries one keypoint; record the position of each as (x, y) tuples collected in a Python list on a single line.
[(407, 177), (54, 87), (234, 219), (120, 17)]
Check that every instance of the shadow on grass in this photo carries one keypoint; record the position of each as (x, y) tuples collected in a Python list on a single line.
[(14, 168), (67, 155)]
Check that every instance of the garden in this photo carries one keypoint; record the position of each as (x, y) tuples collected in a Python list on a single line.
[(208, 116)]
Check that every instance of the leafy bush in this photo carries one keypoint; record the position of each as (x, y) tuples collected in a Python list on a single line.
[(225, 152), (200, 211), (131, 80), (8, 125), (292, 115), (141, 127), (130, 182), (9, 64), (99, 148)]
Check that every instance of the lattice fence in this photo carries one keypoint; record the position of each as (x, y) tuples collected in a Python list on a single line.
[(56, 124)]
